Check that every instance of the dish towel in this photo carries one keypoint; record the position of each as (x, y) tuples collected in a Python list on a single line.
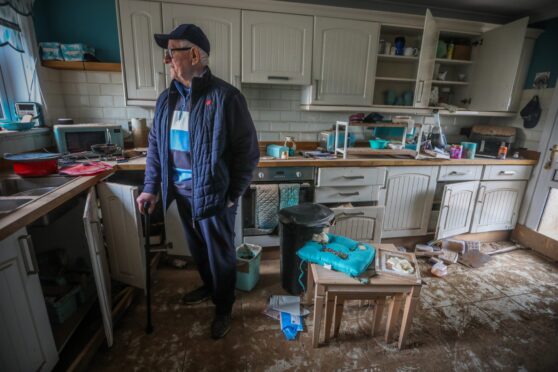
[(288, 195), (267, 201)]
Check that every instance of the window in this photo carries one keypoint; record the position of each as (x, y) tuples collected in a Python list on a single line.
[(4, 104)]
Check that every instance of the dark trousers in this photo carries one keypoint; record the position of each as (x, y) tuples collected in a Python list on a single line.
[(211, 242)]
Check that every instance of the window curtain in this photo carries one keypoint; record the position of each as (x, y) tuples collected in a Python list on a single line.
[(18, 32)]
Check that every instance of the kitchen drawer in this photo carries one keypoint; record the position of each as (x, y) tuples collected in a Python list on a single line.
[(506, 172), (351, 176), (359, 223), (460, 173), (330, 194)]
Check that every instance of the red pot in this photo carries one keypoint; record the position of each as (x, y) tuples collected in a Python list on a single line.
[(36, 168)]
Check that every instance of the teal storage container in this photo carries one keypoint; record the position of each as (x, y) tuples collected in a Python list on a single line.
[(248, 257), (62, 308), (75, 52), (276, 150)]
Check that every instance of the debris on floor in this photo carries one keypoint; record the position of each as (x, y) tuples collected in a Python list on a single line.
[(288, 311)]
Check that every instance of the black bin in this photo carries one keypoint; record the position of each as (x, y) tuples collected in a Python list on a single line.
[(296, 226)]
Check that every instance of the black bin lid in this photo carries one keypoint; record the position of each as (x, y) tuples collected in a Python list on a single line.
[(307, 214)]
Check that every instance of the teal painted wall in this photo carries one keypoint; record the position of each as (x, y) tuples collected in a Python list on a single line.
[(92, 22), (545, 53)]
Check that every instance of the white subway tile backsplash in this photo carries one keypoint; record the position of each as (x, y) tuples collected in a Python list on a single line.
[(69, 88), (119, 101), (280, 105), (137, 112), (97, 77), (269, 136), (101, 101), (89, 88), (112, 89), (114, 113), (116, 77), (73, 76), (290, 115), (270, 115)]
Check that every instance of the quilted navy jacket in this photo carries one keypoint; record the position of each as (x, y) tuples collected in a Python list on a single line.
[(223, 143)]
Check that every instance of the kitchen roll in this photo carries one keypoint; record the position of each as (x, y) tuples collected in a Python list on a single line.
[(139, 132)]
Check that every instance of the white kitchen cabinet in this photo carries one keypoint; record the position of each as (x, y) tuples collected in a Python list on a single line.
[(276, 48), (408, 197), (426, 61), (456, 210), (497, 205), (123, 232), (97, 253), (222, 28), (496, 67), (142, 58), (175, 235), (359, 223), (27, 342), (343, 62)]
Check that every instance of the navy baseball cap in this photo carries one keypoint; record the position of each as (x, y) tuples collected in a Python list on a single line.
[(186, 31)]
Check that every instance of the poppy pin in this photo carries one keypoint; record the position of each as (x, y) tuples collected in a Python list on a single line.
[(208, 102)]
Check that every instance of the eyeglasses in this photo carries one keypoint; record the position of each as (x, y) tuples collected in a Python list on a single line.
[(169, 52)]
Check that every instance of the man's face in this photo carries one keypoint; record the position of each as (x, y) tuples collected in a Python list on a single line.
[(182, 62)]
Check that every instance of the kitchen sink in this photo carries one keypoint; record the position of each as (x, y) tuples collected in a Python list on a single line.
[(36, 186), (8, 205)]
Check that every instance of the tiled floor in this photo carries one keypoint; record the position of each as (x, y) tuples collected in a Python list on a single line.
[(503, 316)]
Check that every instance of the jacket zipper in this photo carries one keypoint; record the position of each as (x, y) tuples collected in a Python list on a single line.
[(190, 139)]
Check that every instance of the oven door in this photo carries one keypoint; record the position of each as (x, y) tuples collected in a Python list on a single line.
[(249, 227)]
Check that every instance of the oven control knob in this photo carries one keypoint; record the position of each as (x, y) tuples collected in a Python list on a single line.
[(260, 175), (298, 174)]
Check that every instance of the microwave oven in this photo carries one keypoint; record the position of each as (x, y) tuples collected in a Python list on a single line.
[(74, 138)]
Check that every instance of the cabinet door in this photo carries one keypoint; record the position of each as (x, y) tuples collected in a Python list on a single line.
[(97, 252), (426, 61), (174, 233), (359, 223), (344, 61), (496, 67), (408, 197), (276, 48), (456, 209), (498, 205), (142, 58), (222, 28), (123, 232), (27, 343)]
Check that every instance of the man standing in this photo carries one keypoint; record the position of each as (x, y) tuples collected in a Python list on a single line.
[(202, 152)]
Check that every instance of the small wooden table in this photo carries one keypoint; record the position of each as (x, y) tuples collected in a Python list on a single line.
[(331, 288)]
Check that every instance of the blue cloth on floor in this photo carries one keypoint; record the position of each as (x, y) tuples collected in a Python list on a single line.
[(288, 195), (343, 254)]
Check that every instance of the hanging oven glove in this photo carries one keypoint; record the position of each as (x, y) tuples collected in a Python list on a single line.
[(531, 113)]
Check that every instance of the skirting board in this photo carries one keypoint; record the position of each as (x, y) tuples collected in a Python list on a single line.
[(536, 241)]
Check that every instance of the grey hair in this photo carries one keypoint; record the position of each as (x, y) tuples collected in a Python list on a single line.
[(204, 57)]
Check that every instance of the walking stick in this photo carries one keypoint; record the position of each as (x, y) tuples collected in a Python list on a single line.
[(149, 326)]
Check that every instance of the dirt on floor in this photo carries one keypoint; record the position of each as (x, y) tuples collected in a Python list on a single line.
[(500, 317)]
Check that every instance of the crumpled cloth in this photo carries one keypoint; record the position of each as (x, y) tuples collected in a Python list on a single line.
[(86, 169)]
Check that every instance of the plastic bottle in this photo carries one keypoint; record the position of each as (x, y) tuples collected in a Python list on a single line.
[(502, 151)]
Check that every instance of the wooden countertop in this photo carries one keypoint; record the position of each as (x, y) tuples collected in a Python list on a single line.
[(46, 203), (139, 164)]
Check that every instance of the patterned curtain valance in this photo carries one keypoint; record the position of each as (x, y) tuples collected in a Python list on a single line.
[(10, 31)]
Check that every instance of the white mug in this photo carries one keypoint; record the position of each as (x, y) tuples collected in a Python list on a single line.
[(392, 51), (410, 52), (387, 49)]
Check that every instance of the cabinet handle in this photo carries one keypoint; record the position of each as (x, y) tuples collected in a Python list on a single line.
[(455, 173), (507, 173), (317, 89), (420, 89), (28, 254), (349, 193), (353, 177), (553, 152), (349, 214), (483, 190), (278, 77)]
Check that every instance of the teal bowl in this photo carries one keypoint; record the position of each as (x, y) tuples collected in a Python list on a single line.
[(378, 144), (17, 125)]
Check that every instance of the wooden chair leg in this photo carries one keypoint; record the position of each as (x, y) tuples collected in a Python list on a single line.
[(318, 311), (393, 315), (408, 312), (377, 315), (308, 297), (330, 301), (339, 304)]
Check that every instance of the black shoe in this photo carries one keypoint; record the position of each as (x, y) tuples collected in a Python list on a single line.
[(196, 296), (221, 326)]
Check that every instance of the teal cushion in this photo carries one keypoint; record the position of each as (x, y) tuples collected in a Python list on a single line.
[(342, 253)]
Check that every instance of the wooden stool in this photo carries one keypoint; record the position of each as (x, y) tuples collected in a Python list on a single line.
[(331, 289)]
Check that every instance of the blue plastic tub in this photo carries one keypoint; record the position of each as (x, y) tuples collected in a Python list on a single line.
[(248, 269), (378, 144)]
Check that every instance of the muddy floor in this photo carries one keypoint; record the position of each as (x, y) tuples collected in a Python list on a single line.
[(500, 317)]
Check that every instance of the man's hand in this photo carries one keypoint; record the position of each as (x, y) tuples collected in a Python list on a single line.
[(146, 197)]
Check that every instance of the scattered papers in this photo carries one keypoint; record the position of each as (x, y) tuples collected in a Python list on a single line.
[(286, 309)]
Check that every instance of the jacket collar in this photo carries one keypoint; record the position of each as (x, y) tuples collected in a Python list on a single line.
[(198, 87)]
